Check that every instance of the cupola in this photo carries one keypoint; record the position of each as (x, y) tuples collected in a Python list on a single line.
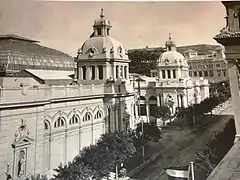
[(102, 26)]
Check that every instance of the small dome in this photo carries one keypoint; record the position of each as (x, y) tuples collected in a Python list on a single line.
[(100, 47), (171, 56)]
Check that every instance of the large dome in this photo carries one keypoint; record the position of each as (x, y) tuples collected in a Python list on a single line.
[(103, 47)]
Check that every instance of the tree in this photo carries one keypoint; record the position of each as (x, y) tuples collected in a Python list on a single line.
[(38, 177), (162, 112), (209, 158), (97, 161), (74, 171), (151, 131)]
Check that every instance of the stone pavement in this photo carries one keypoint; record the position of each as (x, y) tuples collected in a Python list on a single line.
[(229, 167)]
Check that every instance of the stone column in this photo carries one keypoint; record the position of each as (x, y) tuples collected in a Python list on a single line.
[(177, 73), (184, 99), (96, 73), (104, 71), (80, 73), (160, 74), (87, 73), (171, 72), (158, 100), (148, 112), (234, 85), (119, 68)]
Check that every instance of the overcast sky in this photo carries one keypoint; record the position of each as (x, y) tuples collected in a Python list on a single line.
[(66, 25)]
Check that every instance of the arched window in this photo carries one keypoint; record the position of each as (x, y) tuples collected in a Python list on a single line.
[(169, 74), (74, 119), (163, 74), (59, 122), (99, 31), (46, 127), (98, 115), (174, 74), (84, 72), (125, 72), (87, 117), (100, 72), (143, 110), (152, 105), (117, 72)]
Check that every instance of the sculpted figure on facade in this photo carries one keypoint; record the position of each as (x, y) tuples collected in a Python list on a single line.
[(21, 163), (22, 131)]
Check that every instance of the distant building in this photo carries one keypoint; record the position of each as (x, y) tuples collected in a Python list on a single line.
[(173, 87), (204, 60), (211, 65)]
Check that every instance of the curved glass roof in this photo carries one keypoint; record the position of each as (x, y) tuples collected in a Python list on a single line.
[(17, 53)]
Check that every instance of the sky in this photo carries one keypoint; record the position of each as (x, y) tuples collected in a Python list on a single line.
[(66, 25)]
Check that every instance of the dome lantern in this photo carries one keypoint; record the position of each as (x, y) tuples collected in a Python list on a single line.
[(170, 44), (101, 26)]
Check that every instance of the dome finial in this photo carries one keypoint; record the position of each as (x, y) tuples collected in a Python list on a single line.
[(170, 36), (102, 14)]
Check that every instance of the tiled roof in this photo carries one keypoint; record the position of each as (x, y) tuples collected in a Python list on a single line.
[(17, 53)]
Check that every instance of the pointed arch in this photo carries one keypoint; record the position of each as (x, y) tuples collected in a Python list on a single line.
[(74, 116), (87, 114), (99, 108), (98, 115), (87, 117), (75, 119), (59, 113), (47, 126), (60, 120), (87, 109)]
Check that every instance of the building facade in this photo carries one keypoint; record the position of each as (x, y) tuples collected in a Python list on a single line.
[(229, 37), (173, 87), (210, 65), (51, 107)]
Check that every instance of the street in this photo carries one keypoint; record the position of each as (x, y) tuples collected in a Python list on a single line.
[(182, 147)]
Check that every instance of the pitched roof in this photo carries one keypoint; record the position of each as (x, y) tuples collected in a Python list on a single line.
[(16, 37), (50, 74)]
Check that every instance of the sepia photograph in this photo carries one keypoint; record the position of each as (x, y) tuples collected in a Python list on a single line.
[(119, 90)]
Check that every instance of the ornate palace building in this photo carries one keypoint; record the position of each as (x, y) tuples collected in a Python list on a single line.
[(51, 107), (173, 87)]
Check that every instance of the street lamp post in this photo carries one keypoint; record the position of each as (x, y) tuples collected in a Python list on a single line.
[(139, 109)]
